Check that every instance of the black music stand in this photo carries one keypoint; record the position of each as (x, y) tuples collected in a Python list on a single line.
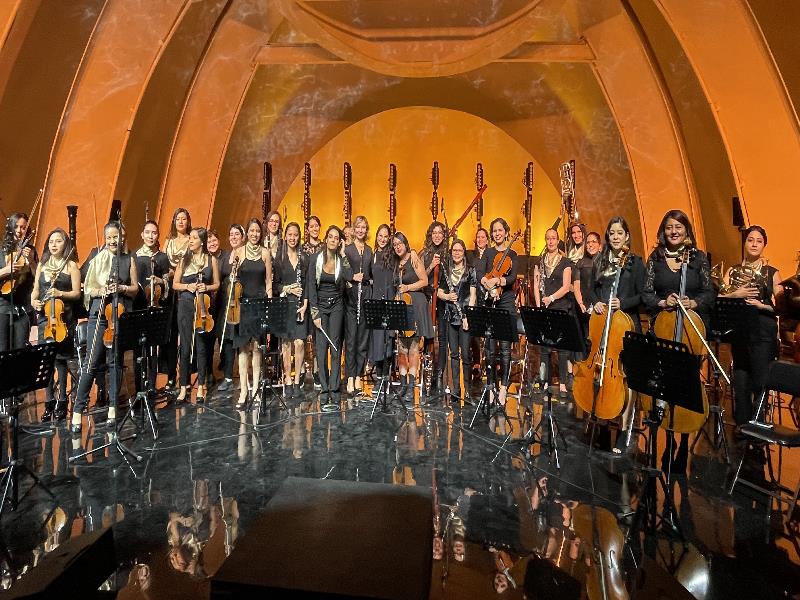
[(386, 315), (24, 370), (259, 317), (491, 324), (146, 329), (668, 373), (560, 330)]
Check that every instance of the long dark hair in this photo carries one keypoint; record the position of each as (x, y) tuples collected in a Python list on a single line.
[(601, 261), (753, 228), (428, 247), (254, 221), (202, 233), (10, 241), (571, 244), (392, 260), (67, 244), (173, 231), (324, 249), (375, 248), (682, 218)]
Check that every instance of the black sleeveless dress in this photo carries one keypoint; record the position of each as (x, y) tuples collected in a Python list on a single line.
[(285, 274), (64, 349), (252, 274), (422, 316)]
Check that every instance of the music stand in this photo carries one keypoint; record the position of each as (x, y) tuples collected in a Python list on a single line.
[(491, 324), (259, 317), (386, 315), (24, 370), (667, 372), (146, 329), (557, 329)]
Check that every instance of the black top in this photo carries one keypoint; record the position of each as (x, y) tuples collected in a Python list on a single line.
[(123, 277), (208, 277), (382, 277), (161, 268), (333, 289), (285, 274), (358, 264), (427, 258), (24, 286), (507, 297), (554, 280), (629, 292), (64, 284), (661, 281), (252, 275), (582, 271), (468, 280)]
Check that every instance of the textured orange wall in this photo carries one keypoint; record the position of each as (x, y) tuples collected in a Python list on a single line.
[(413, 138)]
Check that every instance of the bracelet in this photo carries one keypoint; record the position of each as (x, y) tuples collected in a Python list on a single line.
[(552, 299)]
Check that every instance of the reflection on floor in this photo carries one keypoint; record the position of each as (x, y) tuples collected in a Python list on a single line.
[(502, 508)]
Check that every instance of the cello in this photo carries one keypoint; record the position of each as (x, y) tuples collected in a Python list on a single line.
[(670, 325), (599, 387)]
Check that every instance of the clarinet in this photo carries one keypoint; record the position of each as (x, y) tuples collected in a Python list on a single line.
[(299, 271)]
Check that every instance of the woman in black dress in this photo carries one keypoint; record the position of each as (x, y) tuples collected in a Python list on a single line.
[(433, 254), (14, 332), (409, 273), (380, 348), (57, 278), (662, 288), (754, 349), (290, 271), (552, 279), (328, 272), (196, 275), (311, 246), (359, 255), (628, 297), (457, 290), (175, 247), (226, 353), (255, 275), (582, 271), (499, 292), (109, 272)]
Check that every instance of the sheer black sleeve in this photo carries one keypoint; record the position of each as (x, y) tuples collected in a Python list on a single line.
[(649, 297), (637, 282)]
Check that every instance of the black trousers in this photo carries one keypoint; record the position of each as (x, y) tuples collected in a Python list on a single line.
[(498, 354), (330, 376), (191, 353), (458, 344), (98, 357), (751, 362), (356, 340), (563, 367), (168, 356), (442, 334), (14, 332)]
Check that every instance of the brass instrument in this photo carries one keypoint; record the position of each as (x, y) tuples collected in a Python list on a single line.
[(392, 197), (306, 196), (569, 205), (435, 196), (479, 186), (745, 275), (266, 197), (348, 194), (718, 276)]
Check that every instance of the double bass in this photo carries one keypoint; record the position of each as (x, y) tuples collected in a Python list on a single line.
[(671, 325), (599, 387)]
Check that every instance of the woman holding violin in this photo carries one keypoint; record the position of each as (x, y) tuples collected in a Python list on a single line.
[(552, 278), (411, 279), (110, 284), (497, 273), (457, 290), (753, 350), (196, 275), (225, 298), (677, 265), (328, 272), (359, 255), (433, 255), (290, 272), (56, 287), (17, 265), (254, 272)]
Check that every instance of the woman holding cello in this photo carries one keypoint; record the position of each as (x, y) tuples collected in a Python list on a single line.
[(110, 272), (497, 273), (56, 287), (411, 279), (196, 275), (678, 273), (623, 294)]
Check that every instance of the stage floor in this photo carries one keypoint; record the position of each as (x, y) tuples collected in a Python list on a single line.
[(178, 512)]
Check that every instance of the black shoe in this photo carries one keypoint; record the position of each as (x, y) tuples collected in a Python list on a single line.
[(75, 429), (225, 385), (47, 415), (298, 390), (403, 386), (288, 391), (317, 383), (60, 413), (409, 393)]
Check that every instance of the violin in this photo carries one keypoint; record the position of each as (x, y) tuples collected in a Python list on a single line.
[(55, 329), (234, 295), (670, 325), (203, 322), (599, 387), (153, 292), (501, 266), (112, 312), (405, 297)]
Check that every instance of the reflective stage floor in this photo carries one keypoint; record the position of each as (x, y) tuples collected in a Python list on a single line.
[(501, 508)]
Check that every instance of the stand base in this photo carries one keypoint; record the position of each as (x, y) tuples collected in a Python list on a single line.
[(10, 484), (716, 414), (385, 396)]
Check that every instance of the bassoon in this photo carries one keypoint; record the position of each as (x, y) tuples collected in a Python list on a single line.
[(435, 196), (527, 211), (266, 196), (392, 198), (306, 195), (478, 186), (348, 194), (569, 205)]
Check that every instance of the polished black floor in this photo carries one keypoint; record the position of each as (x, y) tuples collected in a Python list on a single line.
[(503, 509)]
